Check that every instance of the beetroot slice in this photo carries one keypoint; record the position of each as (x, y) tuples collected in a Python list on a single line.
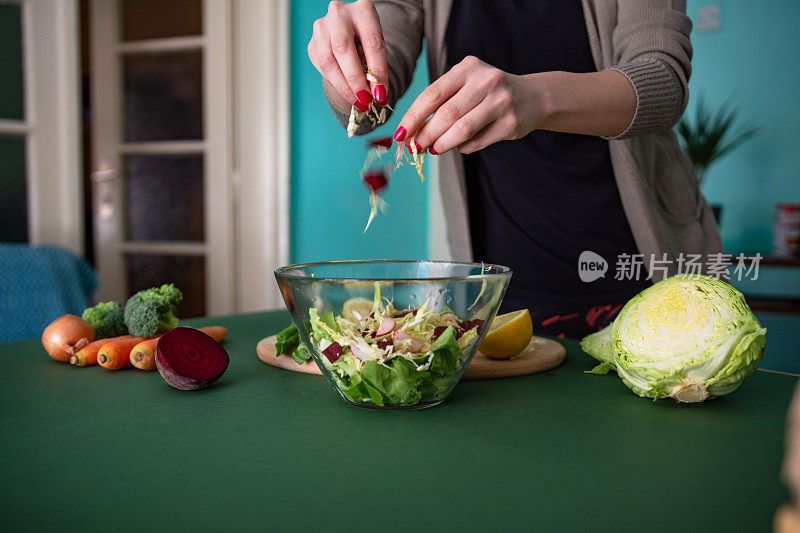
[(469, 324), (384, 344), (386, 142), (188, 359), (376, 181), (333, 352)]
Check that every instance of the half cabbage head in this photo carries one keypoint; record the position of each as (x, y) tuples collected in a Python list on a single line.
[(689, 337)]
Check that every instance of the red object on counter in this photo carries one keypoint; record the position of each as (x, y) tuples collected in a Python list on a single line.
[(786, 233)]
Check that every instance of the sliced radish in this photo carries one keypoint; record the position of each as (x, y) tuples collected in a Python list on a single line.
[(403, 338), (387, 325), (361, 354)]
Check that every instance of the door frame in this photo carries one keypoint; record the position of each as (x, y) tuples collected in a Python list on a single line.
[(52, 123), (262, 148)]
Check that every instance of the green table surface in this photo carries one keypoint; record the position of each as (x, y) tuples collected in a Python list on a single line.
[(268, 449)]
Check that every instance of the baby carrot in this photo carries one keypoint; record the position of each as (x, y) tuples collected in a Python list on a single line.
[(117, 354), (143, 355), (88, 354), (215, 332)]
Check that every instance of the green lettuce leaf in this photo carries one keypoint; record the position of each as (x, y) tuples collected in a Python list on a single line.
[(395, 384), (445, 353), (598, 345)]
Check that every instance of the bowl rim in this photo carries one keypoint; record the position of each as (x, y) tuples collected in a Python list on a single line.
[(283, 272)]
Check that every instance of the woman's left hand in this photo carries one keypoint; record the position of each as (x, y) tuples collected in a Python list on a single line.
[(473, 105)]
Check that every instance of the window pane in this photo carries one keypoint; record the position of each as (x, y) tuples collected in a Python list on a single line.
[(156, 19), (164, 197), (163, 96), (11, 84), (187, 272), (14, 195)]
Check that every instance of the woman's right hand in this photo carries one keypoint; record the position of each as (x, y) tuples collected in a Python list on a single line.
[(341, 38)]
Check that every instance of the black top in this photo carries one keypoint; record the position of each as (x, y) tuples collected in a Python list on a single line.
[(537, 202)]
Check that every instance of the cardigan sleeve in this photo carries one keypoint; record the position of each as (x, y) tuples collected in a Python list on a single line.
[(402, 25), (653, 50)]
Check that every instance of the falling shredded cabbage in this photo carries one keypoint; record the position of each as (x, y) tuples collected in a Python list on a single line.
[(377, 115)]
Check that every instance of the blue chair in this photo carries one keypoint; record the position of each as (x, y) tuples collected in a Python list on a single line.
[(39, 284)]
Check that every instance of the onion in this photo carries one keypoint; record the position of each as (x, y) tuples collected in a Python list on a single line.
[(188, 359), (65, 336)]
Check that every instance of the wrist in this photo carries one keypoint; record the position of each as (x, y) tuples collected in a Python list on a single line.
[(542, 98)]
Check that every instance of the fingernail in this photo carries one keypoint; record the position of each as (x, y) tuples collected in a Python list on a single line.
[(431, 150), (420, 151), (364, 97), (361, 107), (380, 95), (400, 134)]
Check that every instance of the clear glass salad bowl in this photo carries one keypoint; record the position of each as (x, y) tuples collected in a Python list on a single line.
[(392, 334)]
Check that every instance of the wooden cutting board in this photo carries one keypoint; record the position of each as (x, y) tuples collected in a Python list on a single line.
[(541, 354)]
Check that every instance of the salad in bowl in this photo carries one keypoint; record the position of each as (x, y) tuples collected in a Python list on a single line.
[(406, 349)]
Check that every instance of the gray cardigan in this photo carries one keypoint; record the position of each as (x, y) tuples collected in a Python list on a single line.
[(648, 42)]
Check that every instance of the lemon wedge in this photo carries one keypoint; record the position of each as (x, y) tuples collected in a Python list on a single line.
[(357, 309), (508, 335)]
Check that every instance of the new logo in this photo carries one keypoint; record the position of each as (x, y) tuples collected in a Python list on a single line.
[(591, 266)]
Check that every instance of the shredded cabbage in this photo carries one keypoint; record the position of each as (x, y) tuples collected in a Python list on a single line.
[(415, 341)]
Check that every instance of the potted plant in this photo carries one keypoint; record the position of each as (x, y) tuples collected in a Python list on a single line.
[(709, 138)]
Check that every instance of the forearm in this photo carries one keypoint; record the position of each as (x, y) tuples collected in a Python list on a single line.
[(596, 103)]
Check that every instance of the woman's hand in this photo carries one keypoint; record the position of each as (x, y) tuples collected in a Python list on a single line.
[(341, 38), (473, 105)]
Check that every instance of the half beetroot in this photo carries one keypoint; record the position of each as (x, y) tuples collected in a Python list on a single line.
[(189, 359)]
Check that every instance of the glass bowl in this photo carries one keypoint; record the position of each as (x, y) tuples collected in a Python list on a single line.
[(392, 334)]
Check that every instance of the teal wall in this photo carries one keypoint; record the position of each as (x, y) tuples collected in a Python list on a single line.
[(754, 58), (329, 202)]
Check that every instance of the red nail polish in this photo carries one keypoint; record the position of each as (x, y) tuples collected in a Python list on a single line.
[(361, 107), (364, 97), (431, 150), (420, 151), (400, 134), (380, 95)]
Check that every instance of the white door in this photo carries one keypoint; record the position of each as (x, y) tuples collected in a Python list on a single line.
[(40, 178), (161, 144)]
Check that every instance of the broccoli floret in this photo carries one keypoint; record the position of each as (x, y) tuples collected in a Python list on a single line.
[(107, 319), (153, 310)]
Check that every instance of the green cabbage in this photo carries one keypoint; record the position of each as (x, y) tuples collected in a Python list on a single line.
[(689, 337)]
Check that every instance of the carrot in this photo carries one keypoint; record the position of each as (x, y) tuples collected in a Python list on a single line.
[(117, 354), (87, 355), (215, 332), (143, 355)]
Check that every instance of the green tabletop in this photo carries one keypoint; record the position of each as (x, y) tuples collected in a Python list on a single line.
[(268, 449)]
